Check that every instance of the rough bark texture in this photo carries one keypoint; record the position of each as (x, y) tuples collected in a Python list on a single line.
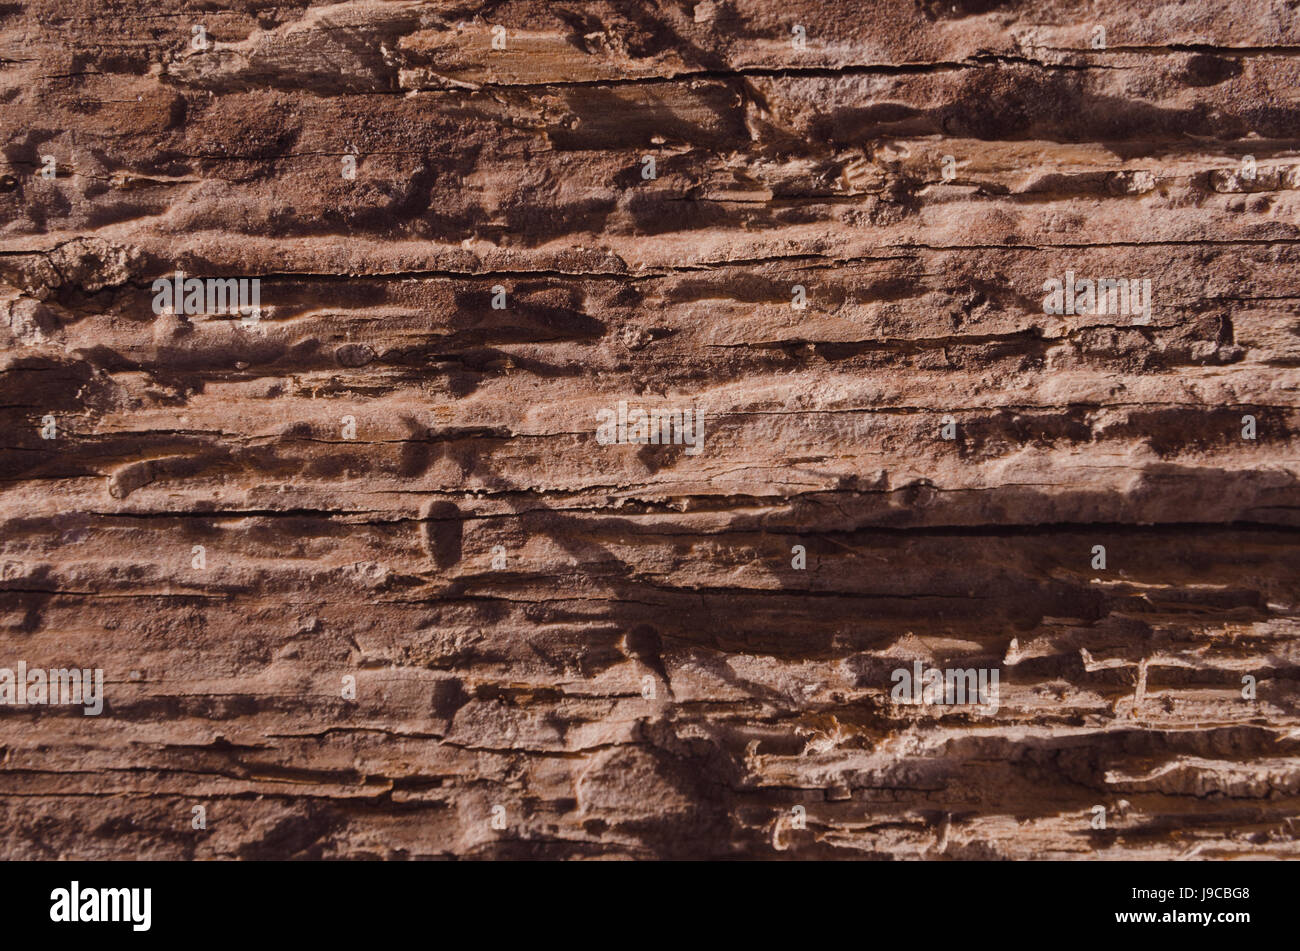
[(645, 569)]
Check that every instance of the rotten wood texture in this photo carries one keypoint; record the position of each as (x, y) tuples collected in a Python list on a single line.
[(519, 676)]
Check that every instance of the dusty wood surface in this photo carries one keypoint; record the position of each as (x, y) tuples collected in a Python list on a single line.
[(638, 570)]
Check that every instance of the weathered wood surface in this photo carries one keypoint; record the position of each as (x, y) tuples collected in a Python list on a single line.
[(522, 686)]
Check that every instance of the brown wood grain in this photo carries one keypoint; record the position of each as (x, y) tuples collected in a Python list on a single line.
[(505, 590)]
